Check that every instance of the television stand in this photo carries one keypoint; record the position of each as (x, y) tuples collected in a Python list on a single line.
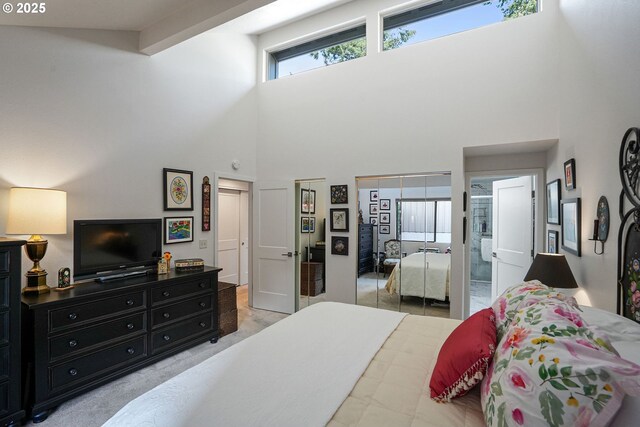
[(78, 340)]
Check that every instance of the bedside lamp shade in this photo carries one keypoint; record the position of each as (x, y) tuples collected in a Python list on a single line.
[(552, 270), (37, 211)]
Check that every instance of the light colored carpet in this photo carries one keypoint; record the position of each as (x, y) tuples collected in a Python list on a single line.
[(97, 406), (372, 293)]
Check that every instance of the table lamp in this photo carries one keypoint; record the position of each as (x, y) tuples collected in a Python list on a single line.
[(552, 270), (36, 211)]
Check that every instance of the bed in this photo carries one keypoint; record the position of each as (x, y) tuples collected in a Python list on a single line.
[(333, 364), (423, 275)]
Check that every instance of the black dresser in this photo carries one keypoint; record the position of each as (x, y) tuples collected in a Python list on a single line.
[(365, 248), (10, 379), (77, 340)]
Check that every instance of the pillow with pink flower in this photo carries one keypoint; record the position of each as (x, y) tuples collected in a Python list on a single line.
[(522, 295), (551, 368)]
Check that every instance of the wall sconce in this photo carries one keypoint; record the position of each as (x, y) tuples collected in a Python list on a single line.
[(601, 225)]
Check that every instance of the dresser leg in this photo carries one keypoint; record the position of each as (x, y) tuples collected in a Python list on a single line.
[(41, 416), (214, 340)]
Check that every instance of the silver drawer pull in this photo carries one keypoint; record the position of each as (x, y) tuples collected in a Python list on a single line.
[(202, 324), (129, 302), (166, 294), (166, 315), (130, 326), (73, 316), (202, 285), (166, 337), (130, 350), (73, 372), (73, 343), (203, 304)]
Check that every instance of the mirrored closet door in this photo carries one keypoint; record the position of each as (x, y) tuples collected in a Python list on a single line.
[(310, 272), (406, 267)]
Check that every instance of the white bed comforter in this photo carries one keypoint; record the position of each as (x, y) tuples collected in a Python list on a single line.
[(412, 279), (267, 379)]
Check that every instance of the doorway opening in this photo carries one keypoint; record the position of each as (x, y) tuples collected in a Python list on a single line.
[(502, 233), (403, 243), (310, 242), (233, 236)]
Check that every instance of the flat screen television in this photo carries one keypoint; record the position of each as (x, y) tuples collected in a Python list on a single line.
[(107, 247)]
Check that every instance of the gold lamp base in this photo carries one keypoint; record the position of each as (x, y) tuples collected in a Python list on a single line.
[(35, 248)]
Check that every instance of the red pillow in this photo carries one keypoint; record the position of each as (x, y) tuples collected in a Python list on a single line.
[(464, 357)]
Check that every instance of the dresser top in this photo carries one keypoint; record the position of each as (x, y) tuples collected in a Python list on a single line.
[(5, 241)]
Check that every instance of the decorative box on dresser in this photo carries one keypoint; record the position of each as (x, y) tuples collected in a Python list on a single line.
[(77, 340), (365, 248), (10, 378)]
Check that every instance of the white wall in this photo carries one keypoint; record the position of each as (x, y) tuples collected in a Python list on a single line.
[(83, 112), (407, 111), (598, 101)]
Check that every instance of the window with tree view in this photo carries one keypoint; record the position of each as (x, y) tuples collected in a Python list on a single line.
[(424, 220), (441, 18)]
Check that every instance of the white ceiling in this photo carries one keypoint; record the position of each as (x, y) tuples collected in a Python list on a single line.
[(165, 23)]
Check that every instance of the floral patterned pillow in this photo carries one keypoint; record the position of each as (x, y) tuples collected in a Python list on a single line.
[(522, 295), (551, 368)]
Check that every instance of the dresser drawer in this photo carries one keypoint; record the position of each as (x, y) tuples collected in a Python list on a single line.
[(181, 332), (5, 261), (4, 362), (4, 328), (4, 292), (180, 310), (4, 398), (83, 339), (181, 290), (97, 363), (79, 314)]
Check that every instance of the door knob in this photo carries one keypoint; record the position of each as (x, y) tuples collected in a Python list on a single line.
[(288, 254), (493, 254)]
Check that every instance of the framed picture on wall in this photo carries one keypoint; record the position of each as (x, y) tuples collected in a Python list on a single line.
[(178, 230), (373, 209), (305, 224), (552, 242), (339, 195), (384, 229), (553, 202), (307, 201), (385, 218), (339, 245), (339, 219), (178, 189), (570, 174), (571, 227), (373, 220), (373, 195), (385, 204)]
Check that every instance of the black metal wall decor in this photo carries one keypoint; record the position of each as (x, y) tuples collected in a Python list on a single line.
[(628, 302)]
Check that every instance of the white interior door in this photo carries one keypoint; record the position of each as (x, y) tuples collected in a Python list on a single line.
[(229, 235), (512, 232), (244, 238), (273, 237)]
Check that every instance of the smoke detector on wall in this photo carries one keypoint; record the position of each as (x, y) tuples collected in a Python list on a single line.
[(235, 165)]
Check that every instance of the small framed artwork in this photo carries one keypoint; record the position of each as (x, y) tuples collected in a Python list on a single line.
[(307, 224), (570, 174), (553, 202), (571, 227), (339, 219), (339, 195), (385, 204), (206, 204), (384, 229), (552, 242), (373, 195), (373, 209), (307, 201), (178, 190), (373, 220), (385, 217), (178, 229), (339, 245)]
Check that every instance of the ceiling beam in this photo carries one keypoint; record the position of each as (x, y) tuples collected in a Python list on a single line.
[(194, 18)]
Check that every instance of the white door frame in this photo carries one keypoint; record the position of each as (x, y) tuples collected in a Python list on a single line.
[(540, 206), (214, 206)]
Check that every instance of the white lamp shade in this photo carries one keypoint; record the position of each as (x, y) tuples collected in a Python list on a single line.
[(37, 211)]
